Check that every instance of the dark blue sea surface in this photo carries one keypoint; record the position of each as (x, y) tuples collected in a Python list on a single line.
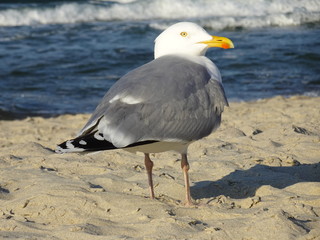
[(61, 57)]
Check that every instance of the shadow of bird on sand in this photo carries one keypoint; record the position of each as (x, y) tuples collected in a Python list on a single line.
[(244, 183)]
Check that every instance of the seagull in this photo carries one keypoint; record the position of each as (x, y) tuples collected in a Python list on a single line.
[(163, 105)]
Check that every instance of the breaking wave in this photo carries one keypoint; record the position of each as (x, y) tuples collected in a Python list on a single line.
[(209, 13)]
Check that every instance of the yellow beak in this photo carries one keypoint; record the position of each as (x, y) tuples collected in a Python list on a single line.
[(221, 42)]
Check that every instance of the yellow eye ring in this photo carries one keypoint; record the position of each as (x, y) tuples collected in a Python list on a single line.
[(184, 34)]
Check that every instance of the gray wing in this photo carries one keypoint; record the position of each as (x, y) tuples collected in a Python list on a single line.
[(167, 99)]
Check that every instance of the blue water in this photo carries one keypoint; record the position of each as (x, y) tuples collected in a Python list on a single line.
[(61, 57)]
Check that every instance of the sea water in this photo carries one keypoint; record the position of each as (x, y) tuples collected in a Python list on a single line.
[(61, 57)]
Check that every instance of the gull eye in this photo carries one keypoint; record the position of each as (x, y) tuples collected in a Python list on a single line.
[(184, 34)]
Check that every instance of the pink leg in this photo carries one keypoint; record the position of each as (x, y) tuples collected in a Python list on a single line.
[(149, 164), (185, 168)]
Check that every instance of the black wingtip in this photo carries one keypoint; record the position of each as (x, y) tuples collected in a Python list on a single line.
[(84, 143), (92, 142)]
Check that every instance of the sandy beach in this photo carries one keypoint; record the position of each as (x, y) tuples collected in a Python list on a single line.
[(256, 177)]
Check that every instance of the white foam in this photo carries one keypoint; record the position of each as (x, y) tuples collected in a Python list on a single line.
[(314, 93), (210, 13)]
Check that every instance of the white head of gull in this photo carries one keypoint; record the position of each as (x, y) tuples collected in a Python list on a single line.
[(188, 39), (163, 105)]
